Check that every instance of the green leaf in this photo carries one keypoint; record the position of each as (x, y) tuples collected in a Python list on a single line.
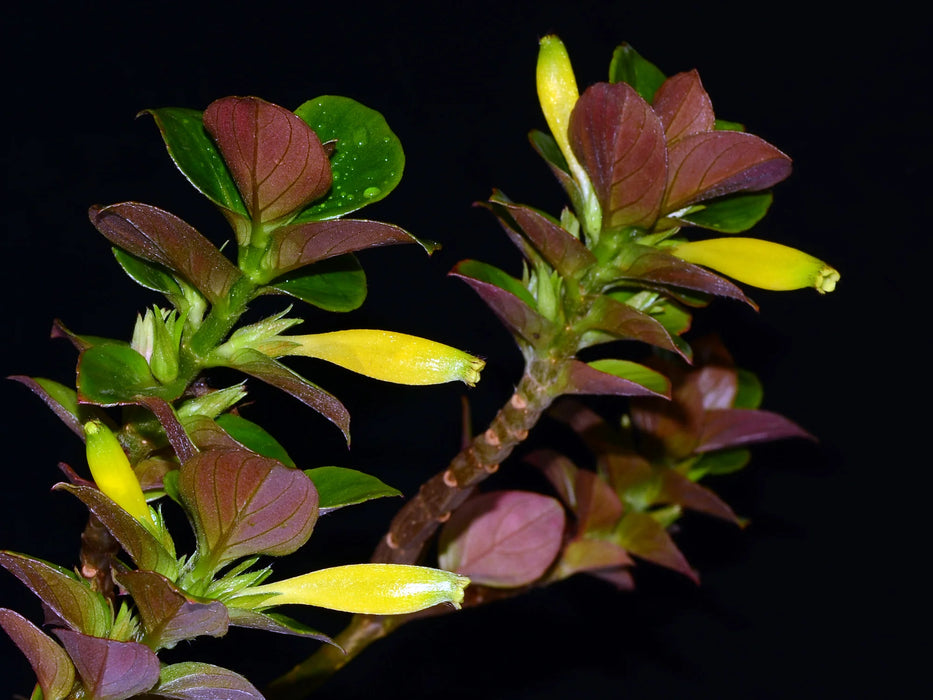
[(628, 66), (368, 160), (719, 462), (111, 375), (147, 274), (750, 391), (339, 487), (634, 372), (336, 284), (485, 272), (197, 157), (724, 125), (254, 437), (730, 214), (193, 680)]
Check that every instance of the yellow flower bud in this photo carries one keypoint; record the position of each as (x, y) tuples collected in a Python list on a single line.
[(760, 263), (369, 589), (112, 471), (391, 357)]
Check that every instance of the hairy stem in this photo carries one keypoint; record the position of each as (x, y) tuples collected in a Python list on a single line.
[(419, 519)]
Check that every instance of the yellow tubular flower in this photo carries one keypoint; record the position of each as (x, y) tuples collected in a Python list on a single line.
[(558, 93), (112, 471), (391, 357), (368, 589), (760, 263)]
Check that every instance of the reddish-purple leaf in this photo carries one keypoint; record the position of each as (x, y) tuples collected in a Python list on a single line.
[(652, 266), (160, 237), (277, 623), (628, 323), (72, 602), (646, 538), (598, 507), (503, 539), (275, 158), (174, 430), (580, 378), (620, 143), (266, 369), (731, 427), (514, 313), (561, 250), (717, 386), (674, 425), (140, 544), (620, 577), (110, 670), (298, 245), (683, 107), (626, 470), (43, 388), (193, 680), (207, 435), (676, 488), (53, 668), (560, 471), (587, 555), (243, 504), (589, 425), (168, 614), (703, 166)]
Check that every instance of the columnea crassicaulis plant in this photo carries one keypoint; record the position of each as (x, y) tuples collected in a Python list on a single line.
[(657, 189)]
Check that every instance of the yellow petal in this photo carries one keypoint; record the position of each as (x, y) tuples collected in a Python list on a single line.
[(368, 589), (391, 357), (112, 471), (760, 263)]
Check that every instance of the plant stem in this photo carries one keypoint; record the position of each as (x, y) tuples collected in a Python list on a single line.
[(419, 519)]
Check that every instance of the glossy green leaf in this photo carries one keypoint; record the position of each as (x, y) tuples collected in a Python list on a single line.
[(50, 663), (110, 375), (628, 66), (730, 214), (337, 284), (750, 392), (725, 125), (62, 400), (339, 487), (71, 600), (490, 274), (148, 275), (368, 159), (254, 437), (193, 680), (719, 462), (196, 155), (634, 372)]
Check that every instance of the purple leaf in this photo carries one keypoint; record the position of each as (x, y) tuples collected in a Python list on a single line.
[(561, 250), (703, 166), (160, 237), (676, 488), (653, 266), (71, 601), (141, 545), (646, 538), (275, 158), (168, 614), (243, 504), (266, 369), (514, 313), (110, 670), (193, 680), (53, 668), (503, 539), (730, 427), (207, 435), (628, 323), (174, 430), (62, 400), (580, 378), (587, 555), (275, 622), (598, 507), (297, 245), (560, 471), (620, 143), (683, 107)]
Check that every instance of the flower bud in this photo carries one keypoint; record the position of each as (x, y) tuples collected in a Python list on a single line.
[(368, 589), (760, 263), (388, 356), (112, 471), (557, 91)]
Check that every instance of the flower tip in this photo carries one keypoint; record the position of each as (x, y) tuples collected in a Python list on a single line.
[(826, 279), (471, 371)]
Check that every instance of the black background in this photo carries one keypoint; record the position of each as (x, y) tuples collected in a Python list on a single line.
[(819, 597)]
